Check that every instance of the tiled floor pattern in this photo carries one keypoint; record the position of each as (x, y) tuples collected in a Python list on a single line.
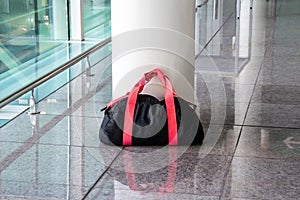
[(249, 107)]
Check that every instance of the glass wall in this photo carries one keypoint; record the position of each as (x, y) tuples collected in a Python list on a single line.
[(35, 40), (23, 24), (97, 12)]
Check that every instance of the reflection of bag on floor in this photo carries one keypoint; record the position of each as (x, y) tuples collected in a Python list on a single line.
[(171, 121), (161, 180)]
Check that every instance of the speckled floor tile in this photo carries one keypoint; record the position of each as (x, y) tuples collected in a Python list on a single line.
[(74, 130), (248, 77), (220, 65), (189, 174), (230, 198), (48, 191), (254, 63), (230, 93), (225, 144), (269, 143), (12, 189), (257, 178), (37, 191), (274, 115), (223, 114), (53, 129), (83, 96), (119, 194), (48, 164), (289, 78), (76, 105), (277, 94), (58, 155), (82, 109), (222, 141), (286, 49), (22, 128), (280, 71)]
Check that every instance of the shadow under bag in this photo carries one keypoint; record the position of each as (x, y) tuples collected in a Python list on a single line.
[(141, 120)]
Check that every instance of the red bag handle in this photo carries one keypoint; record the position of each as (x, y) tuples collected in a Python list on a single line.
[(140, 85), (170, 106), (149, 75)]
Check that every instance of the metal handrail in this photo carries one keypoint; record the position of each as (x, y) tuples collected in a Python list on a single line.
[(41, 80)]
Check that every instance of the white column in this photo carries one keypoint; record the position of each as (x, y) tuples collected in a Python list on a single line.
[(153, 33), (77, 18)]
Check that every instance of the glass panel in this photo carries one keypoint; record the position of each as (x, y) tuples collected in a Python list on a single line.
[(17, 33), (24, 26), (34, 41), (12, 110), (97, 17)]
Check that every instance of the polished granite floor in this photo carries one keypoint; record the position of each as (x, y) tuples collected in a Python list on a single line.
[(248, 90)]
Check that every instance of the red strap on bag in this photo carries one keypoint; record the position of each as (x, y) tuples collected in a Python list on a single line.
[(172, 123), (170, 106)]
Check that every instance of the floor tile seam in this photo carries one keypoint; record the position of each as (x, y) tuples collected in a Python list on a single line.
[(271, 127), (235, 81), (19, 142), (214, 35), (10, 158), (170, 193), (220, 103), (226, 80), (279, 44), (73, 115), (42, 183), (222, 74), (272, 86), (239, 197), (279, 159), (247, 110), (63, 100), (253, 90), (267, 82), (238, 125), (240, 132), (225, 124), (223, 193), (102, 175), (282, 56), (227, 171), (201, 155), (50, 144), (22, 196)]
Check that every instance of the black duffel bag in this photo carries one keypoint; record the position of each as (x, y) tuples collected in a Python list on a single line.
[(142, 120)]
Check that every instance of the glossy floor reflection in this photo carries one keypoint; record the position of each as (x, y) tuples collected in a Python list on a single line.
[(248, 90)]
